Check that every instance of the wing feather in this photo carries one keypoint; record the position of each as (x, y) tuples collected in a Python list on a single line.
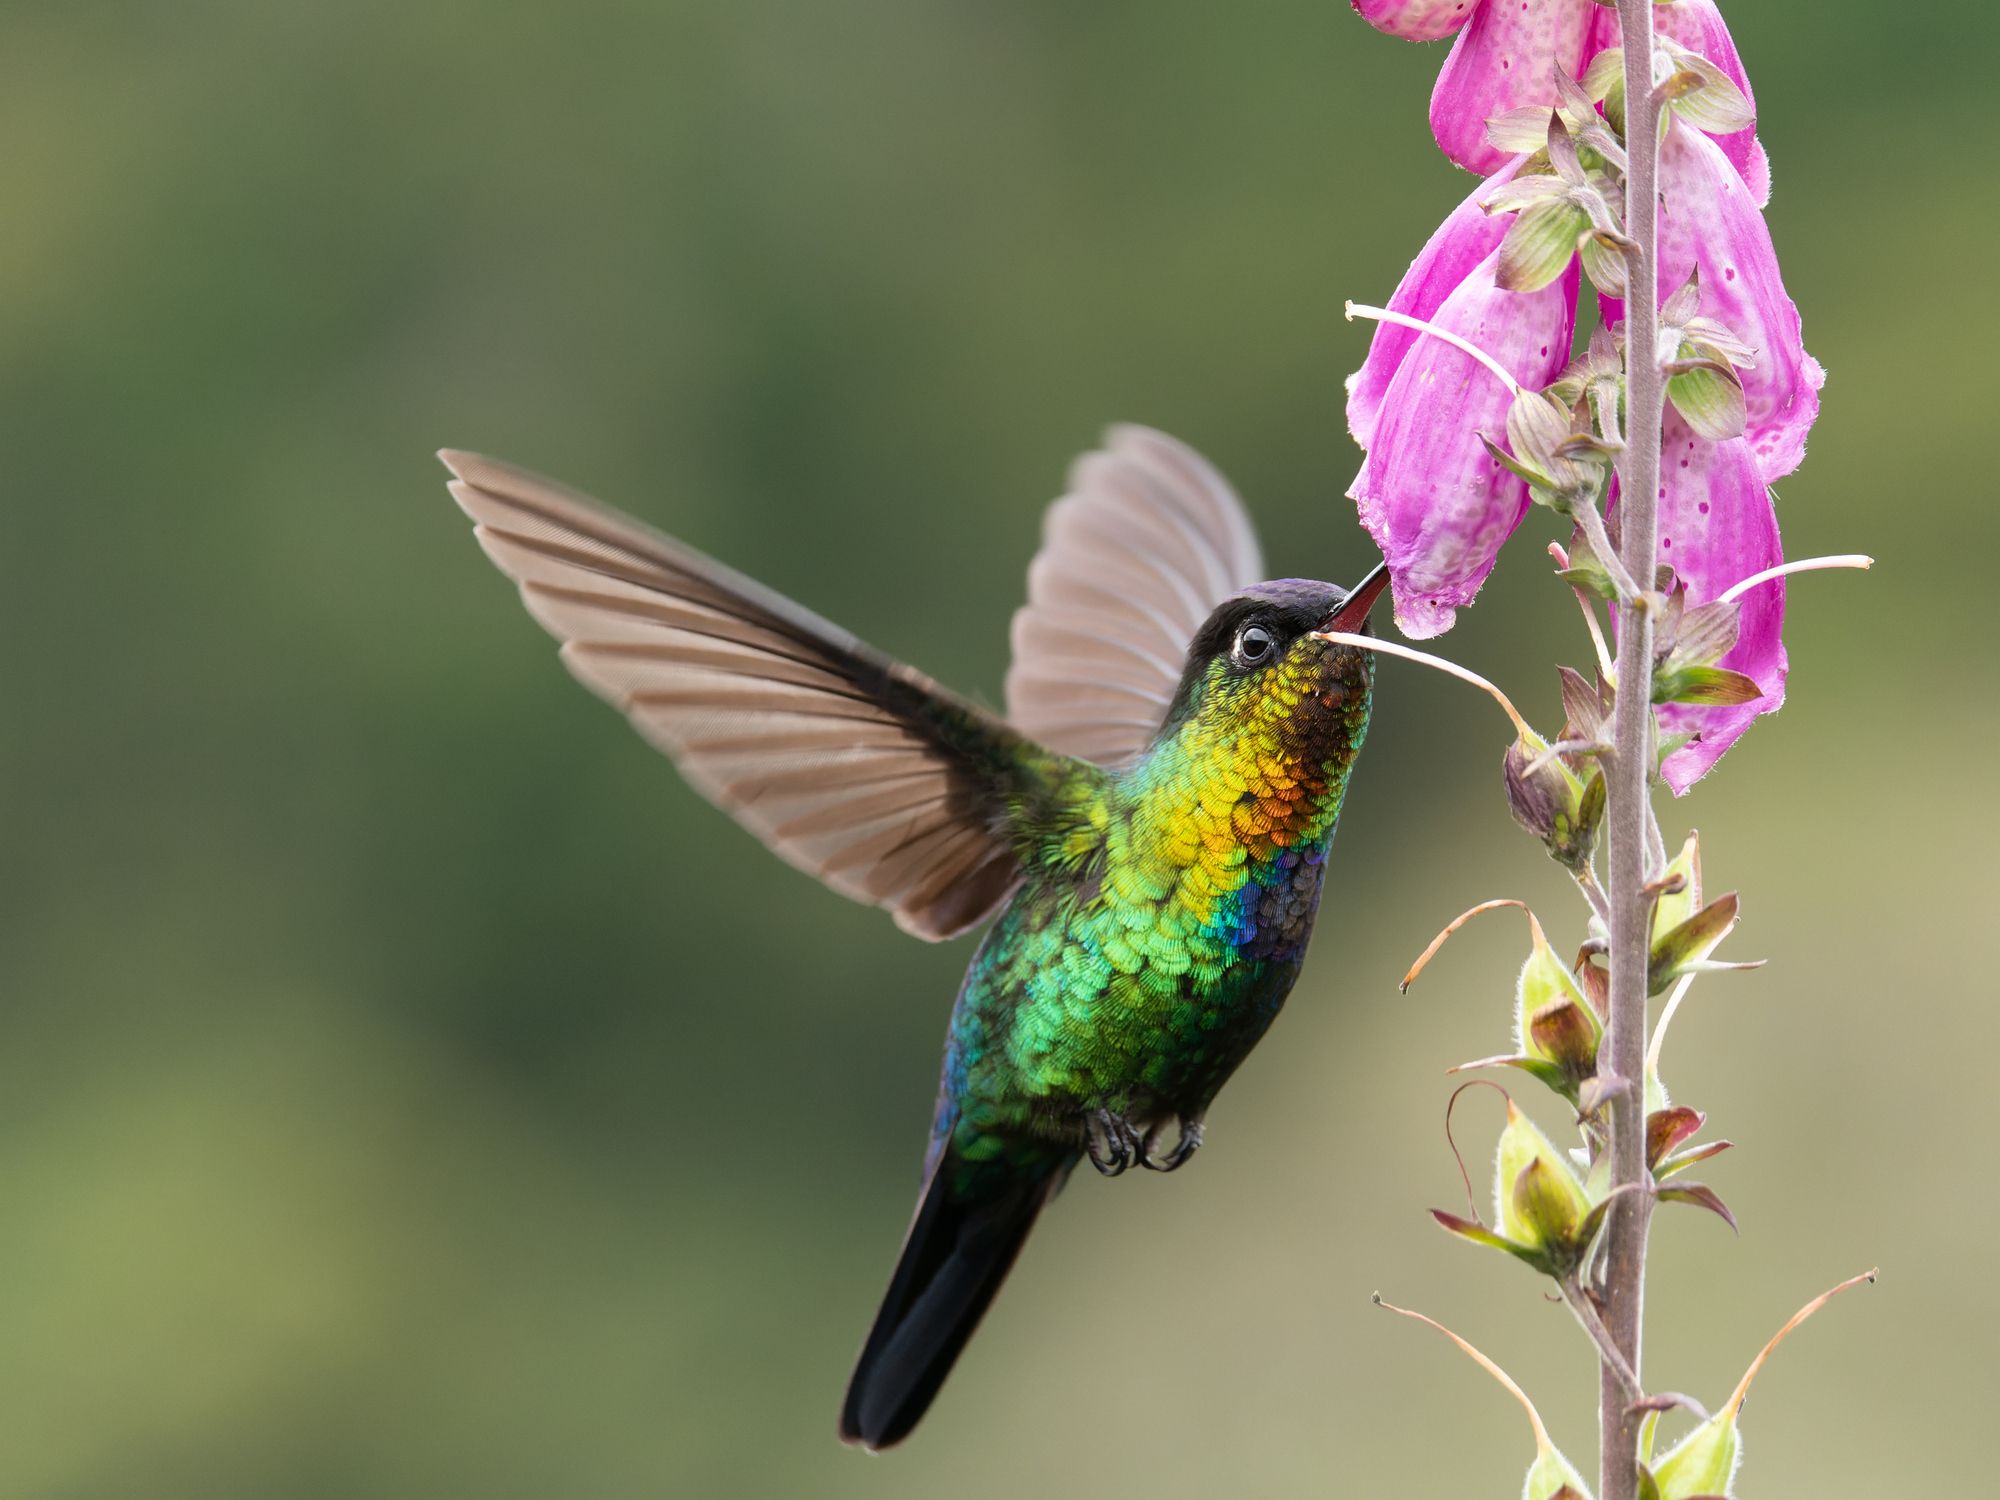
[(1148, 541), (849, 765)]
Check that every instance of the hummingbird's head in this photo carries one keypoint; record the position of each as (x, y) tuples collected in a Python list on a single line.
[(1260, 663)]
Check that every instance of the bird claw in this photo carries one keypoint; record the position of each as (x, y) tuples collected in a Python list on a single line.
[(1120, 1144), (1185, 1147), (1115, 1145)]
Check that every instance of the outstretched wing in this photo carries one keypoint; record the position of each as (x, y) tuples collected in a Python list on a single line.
[(851, 766), (1147, 542)]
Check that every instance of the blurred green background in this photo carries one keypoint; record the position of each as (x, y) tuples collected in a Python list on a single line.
[(407, 1087)]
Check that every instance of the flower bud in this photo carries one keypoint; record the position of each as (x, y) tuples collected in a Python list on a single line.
[(1553, 1021), (1552, 802), (1540, 1201)]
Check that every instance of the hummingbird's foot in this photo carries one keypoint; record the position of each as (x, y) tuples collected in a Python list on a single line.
[(1185, 1147), (1112, 1142)]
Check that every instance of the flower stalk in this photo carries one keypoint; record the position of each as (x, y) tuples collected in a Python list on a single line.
[(1619, 154), (1628, 808)]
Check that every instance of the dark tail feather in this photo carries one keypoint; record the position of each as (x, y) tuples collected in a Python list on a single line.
[(954, 1259)]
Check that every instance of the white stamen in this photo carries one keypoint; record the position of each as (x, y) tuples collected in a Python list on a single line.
[(1404, 320), (1803, 565), (1424, 658)]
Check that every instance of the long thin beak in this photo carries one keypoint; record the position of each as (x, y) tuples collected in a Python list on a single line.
[(1352, 612)]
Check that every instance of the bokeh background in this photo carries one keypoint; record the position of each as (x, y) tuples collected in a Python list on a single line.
[(407, 1087)]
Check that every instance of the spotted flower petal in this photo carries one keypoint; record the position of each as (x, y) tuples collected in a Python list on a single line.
[(1698, 26), (1505, 59), (1466, 238), (1709, 219), (1416, 20), (1717, 527), (1709, 222), (1428, 492)]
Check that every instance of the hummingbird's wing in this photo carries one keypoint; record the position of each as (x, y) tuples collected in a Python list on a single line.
[(848, 764), (1134, 558)]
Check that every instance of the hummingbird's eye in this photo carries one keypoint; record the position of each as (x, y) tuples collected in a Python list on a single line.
[(1254, 644)]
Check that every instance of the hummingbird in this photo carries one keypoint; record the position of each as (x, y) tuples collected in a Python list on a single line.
[(1146, 828)]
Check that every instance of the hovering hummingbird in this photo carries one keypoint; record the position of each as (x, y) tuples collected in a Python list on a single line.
[(1149, 823)]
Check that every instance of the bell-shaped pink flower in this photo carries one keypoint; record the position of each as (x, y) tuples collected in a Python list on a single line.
[(1505, 59), (1435, 502), (1507, 51), (1717, 527), (1457, 246), (1416, 20)]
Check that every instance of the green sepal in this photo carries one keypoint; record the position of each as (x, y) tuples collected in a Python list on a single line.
[(1535, 478), (1680, 888), (1705, 96), (1706, 633), (1667, 1128), (1586, 706), (1680, 1162), (1553, 1477), (1540, 1201), (1479, 1234), (1540, 244), (1711, 686), (1702, 1463), (1709, 396), (1682, 947), (1523, 192), (1539, 1068), (1701, 1196), (1605, 266)]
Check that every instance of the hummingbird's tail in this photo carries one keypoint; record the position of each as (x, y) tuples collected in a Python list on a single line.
[(954, 1258)]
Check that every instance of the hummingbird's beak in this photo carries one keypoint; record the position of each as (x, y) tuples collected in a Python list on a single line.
[(1351, 614)]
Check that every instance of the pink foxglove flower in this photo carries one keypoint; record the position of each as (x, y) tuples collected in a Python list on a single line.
[(1507, 52), (1457, 247), (1718, 527), (1429, 493)]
